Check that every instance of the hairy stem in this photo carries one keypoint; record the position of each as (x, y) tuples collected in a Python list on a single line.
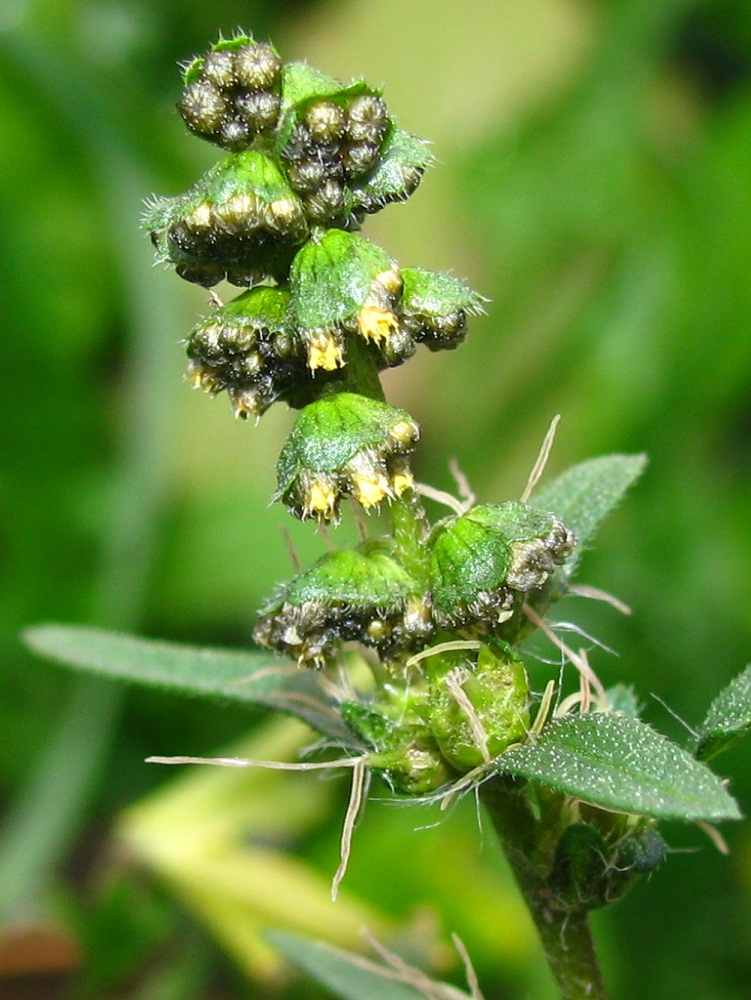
[(565, 933)]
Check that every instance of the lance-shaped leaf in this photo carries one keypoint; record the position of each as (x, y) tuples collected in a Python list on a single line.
[(728, 718), (584, 495), (252, 679), (354, 977), (622, 764)]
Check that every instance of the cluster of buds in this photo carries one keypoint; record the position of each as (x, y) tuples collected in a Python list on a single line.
[(363, 595), (466, 709), (482, 566), (233, 93)]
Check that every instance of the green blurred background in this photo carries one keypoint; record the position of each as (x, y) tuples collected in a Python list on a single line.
[(593, 179)]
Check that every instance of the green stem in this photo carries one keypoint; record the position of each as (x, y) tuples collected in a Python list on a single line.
[(565, 933)]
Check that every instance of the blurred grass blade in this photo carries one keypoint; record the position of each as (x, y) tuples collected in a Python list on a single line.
[(621, 763), (728, 718), (353, 977), (54, 796), (252, 679), (585, 494)]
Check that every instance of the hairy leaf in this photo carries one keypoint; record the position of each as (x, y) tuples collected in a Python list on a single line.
[(353, 977), (728, 718), (585, 494), (622, 764), (252, 679)]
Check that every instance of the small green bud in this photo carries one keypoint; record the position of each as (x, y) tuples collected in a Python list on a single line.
[(480, 561), (247, 349), (340, 598), (578, 875), (590, 870), (345, 446), (476, 710)]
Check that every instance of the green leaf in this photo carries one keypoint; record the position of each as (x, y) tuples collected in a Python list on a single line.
[(622, 764), (728, 718), (353, 977), (585, 494), (252, 679)]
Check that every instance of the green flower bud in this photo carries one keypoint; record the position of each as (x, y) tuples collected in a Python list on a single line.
[(477, 709), (341, 597), (241, 220), (434, 307), (480, 561), (247, 349), (345, 446), (340, 281), (590, 870), (405, 751)]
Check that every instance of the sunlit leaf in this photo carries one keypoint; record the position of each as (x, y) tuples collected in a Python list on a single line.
[(622, 764), (728, 718)]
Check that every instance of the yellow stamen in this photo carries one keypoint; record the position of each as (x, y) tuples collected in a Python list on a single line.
[(371, 490), (321, 500), (376, 324), (401, 482), (324, 352)]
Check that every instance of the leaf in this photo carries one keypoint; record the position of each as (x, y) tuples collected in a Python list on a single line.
[(585, 494), (252, 679), (353, 977), (622, 764), (728, 718)]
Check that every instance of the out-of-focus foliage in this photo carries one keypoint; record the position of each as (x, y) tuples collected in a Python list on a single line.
[(592, 179)]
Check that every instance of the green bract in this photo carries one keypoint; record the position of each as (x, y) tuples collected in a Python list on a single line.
[(480, 561), (345, 445), (364, 595)]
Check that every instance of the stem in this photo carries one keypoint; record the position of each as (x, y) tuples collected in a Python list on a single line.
[(565, 933)]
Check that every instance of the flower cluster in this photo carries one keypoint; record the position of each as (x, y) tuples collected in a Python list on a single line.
[(322, 311)]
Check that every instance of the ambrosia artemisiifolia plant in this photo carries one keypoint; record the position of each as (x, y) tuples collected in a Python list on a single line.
[(439, 699)]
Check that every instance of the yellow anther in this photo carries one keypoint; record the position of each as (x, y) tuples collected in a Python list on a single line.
[(370, 490), (401, 482), (324, 351), (376, 324), (321, 500)]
